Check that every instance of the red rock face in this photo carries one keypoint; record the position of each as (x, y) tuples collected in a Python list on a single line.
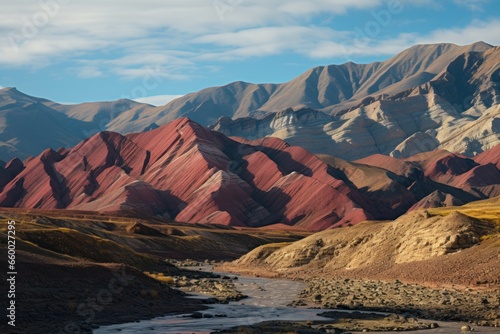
[(491, 156), (479, 176), (186, 172), (441, 178)]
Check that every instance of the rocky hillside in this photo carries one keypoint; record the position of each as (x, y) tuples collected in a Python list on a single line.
[(447, 247), (413, 237), (429, 96), (186, 172), (330, 89), (458, 110)]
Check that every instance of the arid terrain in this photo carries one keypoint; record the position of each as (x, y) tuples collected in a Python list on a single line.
[(188, 173), (354, 197), (439, 264), (90, 269)]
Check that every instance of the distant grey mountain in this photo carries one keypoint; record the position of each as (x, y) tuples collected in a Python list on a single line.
[(428, 96), (458, 110), (330, 89), (29, 125)]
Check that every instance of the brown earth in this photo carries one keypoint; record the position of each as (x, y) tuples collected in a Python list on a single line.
[(62, 295), (439, 265), (79, 270)]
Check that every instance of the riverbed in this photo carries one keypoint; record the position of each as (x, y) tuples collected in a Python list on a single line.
[(268, 300)]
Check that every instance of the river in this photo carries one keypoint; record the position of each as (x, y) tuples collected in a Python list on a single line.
[(268, 299)]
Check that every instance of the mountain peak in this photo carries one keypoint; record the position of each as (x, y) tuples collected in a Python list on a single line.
[(481, 44), (9, 89)]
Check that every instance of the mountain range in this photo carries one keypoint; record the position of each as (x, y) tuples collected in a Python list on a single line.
[(420, 130), (184, 171), (439, 96), (457, 109)]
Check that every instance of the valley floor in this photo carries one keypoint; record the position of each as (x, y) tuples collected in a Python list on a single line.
[(477, 305), (69, 265), (270, 308)]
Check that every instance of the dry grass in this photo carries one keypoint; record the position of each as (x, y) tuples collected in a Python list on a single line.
[(485, 210), (161, 277), (80, 245), (80, 234)]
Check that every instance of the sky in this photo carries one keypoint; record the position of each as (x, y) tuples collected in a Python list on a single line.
[(72, 51)]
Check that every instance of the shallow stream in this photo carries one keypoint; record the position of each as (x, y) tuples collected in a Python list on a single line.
[(267, 301)]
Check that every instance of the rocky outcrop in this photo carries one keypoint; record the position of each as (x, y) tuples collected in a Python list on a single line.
[(435, 200), (374, 247), (400, 128)]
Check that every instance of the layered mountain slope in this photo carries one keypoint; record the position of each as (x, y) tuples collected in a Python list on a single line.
[(447, 179), (187, 172), (399, 128), (326, 88), (428, 96), (184, 171), (457, 110), (386, 127)]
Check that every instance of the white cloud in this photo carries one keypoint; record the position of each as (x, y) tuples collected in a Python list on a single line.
[(39, 33), (180, 40), (364, 46), (473, 5), (158, 100), (265, 41), (477, 30), (89, 72)]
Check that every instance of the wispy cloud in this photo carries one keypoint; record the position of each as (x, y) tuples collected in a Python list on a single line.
[(473, 5), (486, 31), (181, 39), (476, 30), (40, 33), (265, 41), (89, 72)]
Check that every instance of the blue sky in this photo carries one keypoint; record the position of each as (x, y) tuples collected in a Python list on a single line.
[(75, 51)]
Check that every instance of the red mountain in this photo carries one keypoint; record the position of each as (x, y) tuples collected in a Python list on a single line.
[(186, 172)]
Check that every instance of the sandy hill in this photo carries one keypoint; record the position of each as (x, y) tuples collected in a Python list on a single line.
[(441, 246)]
